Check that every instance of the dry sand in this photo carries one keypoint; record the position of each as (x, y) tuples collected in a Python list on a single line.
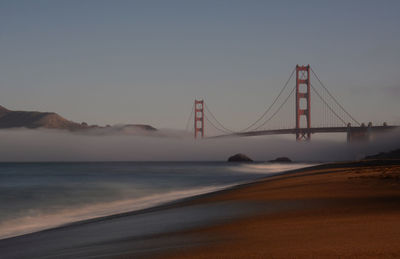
[(349, 211)]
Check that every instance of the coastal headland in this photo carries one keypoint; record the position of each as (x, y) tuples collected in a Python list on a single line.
[(338, 210)]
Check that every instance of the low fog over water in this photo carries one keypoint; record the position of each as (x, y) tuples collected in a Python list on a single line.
[(169, 145)]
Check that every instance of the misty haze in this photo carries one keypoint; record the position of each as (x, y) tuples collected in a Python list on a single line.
[(169, 145)]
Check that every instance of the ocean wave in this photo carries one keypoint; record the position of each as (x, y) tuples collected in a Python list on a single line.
[(30, 224), (268, 168)]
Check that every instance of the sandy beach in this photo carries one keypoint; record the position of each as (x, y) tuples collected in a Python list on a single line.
[(344, 210), (341, 210)]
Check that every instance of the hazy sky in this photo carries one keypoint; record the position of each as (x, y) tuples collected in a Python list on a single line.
[(106, 62)]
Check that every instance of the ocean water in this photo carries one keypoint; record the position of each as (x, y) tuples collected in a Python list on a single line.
[(37, 196)]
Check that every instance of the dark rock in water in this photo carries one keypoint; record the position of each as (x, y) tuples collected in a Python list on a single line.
[(240, 158), (281, 160)]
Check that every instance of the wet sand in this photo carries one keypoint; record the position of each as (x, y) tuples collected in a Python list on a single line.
[(349, 210)]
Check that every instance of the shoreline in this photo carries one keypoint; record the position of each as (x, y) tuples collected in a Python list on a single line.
[(348, 210), (196, 218), (147, 208), (153, 208)]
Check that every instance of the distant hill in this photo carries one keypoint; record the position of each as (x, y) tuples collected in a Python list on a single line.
[(27, 119), (51, 120)]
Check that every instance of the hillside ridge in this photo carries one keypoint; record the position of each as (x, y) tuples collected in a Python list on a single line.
[(51, 120)]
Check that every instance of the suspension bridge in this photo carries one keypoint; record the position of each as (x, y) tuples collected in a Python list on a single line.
[(290, 113)]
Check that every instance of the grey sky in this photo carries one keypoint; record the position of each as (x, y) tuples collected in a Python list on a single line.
[(106, 62)]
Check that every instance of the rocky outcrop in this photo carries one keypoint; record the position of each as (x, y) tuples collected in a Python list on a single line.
[(281, 160), (240, 158)]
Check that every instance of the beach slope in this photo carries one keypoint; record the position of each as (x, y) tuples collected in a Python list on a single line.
[(347, 210), (335, 211)]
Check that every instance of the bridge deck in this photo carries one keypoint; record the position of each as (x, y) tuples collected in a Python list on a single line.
[(310, 130)]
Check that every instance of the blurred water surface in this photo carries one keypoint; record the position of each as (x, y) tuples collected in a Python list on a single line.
[(35, 196)]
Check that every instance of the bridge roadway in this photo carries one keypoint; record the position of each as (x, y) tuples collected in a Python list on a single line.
[(351, 131)]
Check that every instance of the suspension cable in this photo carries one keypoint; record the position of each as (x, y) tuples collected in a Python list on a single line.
[(222, 128), (224, 131), (280, 107), (227, 130), (219, 123), (273, 103), (334, 99), (188, 121), (327, 105)]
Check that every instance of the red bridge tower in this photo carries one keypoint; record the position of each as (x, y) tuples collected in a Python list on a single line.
[(303, 109), (198, 118)]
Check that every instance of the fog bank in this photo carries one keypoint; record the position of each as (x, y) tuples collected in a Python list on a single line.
[(53, 145)]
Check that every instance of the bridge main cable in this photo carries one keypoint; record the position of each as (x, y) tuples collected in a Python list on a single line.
[(270, 107), (224, 129), (280, 107), (334, 99), (189, 119), (327, 105)]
